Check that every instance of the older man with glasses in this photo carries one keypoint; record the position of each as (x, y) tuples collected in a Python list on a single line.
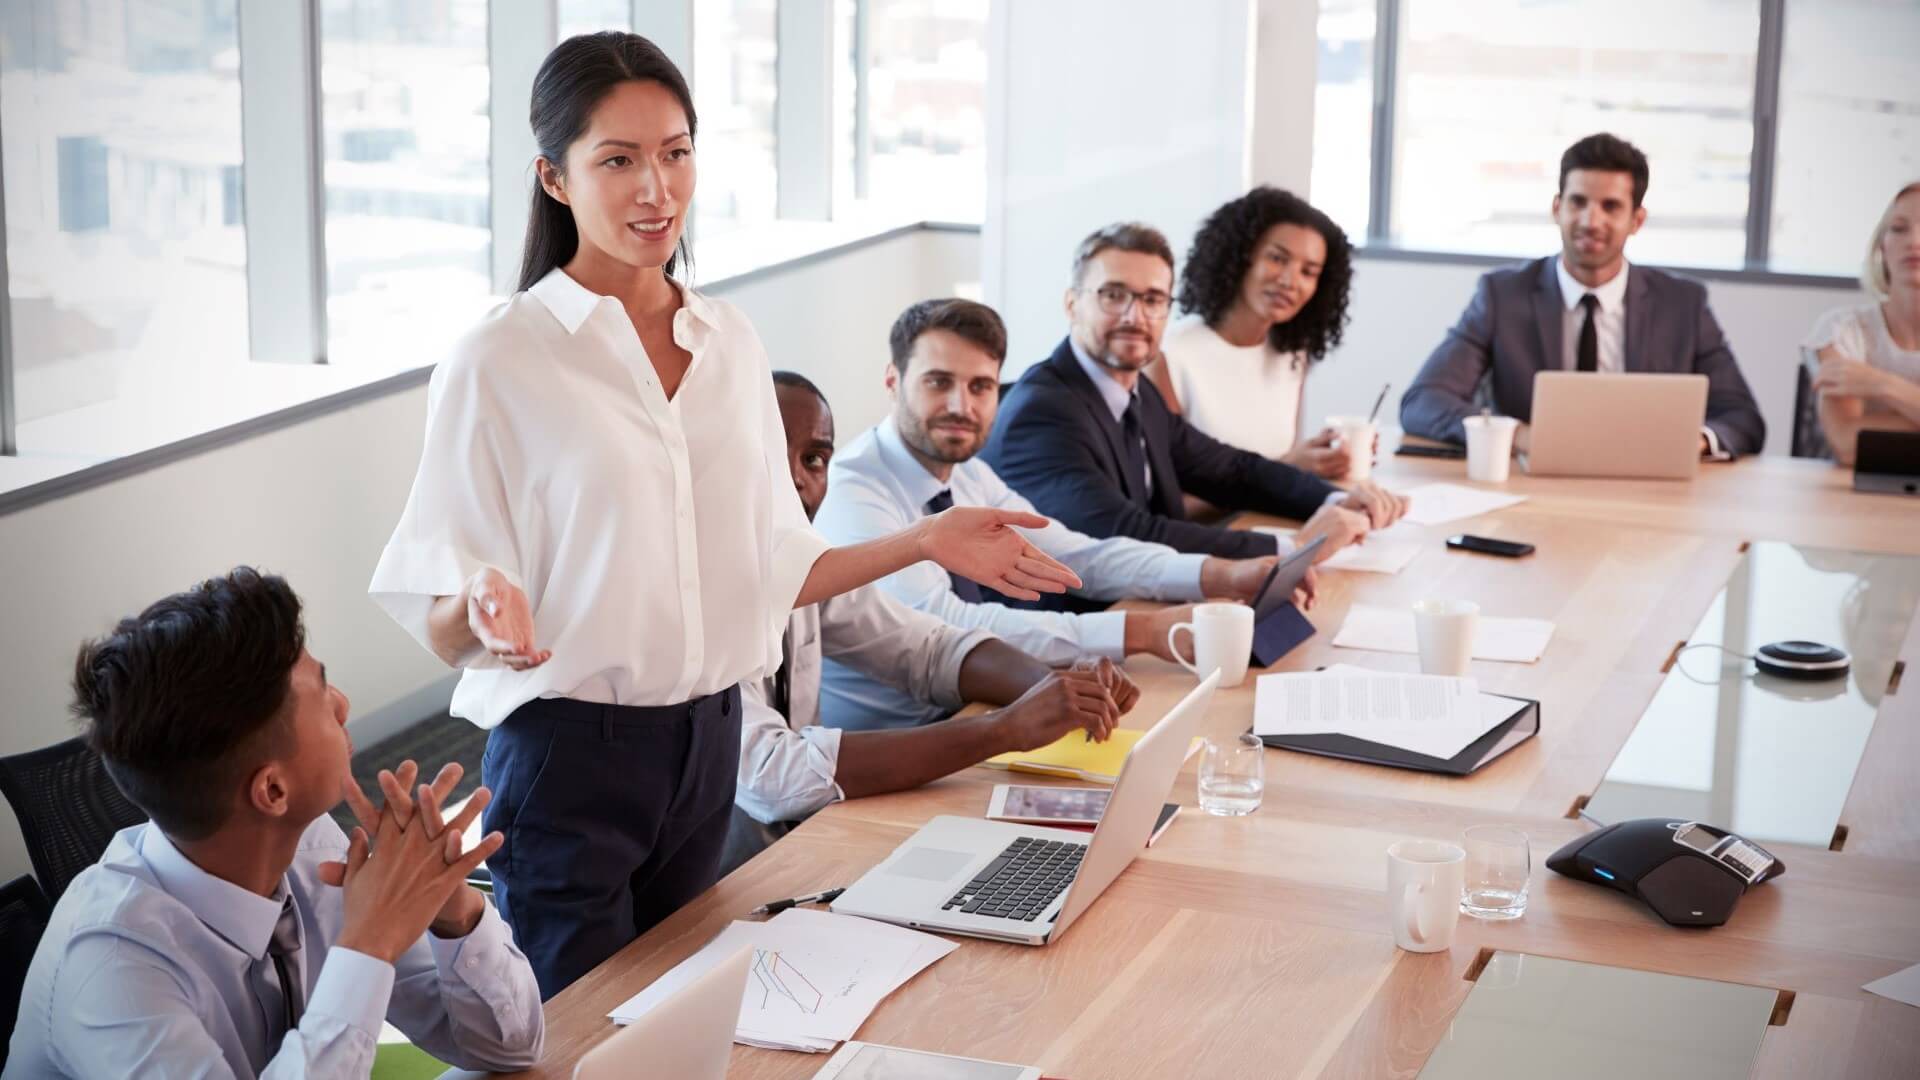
[(1093, 445)]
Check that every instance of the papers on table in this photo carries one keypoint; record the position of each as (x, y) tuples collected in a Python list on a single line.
[(1902, 986), (1435, 715), (1433, 504), (816, 976), (1385, 552), (1518, 641)]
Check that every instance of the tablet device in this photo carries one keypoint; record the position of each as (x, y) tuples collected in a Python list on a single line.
[(871, 1061), (1278, 626), (1286, 576)]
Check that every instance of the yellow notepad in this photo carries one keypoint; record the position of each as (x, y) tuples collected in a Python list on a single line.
[(1073, 757)]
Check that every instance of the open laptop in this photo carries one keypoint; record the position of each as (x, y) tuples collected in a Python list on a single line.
[(1027, 883), (1887, 462), (689, 1036), (1635, 425)]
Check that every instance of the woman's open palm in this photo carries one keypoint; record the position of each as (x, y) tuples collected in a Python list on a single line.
[(982, 544)]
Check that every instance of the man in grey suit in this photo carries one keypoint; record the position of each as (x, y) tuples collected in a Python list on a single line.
[(1584, 310)]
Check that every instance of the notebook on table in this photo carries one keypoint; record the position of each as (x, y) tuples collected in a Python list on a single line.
[(1075, 757)]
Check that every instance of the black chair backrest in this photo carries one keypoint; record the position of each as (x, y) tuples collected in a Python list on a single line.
[(23, 918), (68, 808), (1809, 438)]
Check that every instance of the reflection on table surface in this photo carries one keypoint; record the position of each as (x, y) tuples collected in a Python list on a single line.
[(1533, 1016), (1768, 757)]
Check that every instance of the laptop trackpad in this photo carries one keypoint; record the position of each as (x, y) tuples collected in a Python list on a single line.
[(931, 864)]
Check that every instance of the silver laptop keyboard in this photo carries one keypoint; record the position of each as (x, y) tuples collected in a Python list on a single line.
[(1021, 881)]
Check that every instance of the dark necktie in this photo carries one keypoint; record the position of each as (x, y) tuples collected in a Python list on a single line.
[(1135, 441), (280, 992), (1589, 352), (964, 588)]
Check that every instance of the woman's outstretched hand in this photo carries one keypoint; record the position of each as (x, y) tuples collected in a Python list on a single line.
[(982, 544), (499, 616)]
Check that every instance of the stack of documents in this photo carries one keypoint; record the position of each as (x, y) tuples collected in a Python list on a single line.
[(1433, 715), (1516, 641), (816, 976), (1434, 504)]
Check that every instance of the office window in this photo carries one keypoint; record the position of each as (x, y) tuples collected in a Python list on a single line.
[(590, 16), (735, 50), (1849, 134), (404, 121), (920, 149), (1491, 91), (1343, 114), (126, 255)]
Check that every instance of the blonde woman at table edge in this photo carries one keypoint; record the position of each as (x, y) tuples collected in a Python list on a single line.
[(1869, 373), (603, 533)]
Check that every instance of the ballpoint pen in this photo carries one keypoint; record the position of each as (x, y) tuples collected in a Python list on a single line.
[(1379, 401), (779, 906)]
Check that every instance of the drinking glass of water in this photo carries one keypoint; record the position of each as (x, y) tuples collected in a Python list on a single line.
[(1498, 864), (1233, 776)]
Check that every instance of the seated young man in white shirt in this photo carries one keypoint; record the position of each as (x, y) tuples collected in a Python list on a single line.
[(944, 378), (791, 765), (240, 933)]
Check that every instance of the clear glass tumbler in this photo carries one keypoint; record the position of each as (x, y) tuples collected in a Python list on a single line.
[(1233, 776), (1498, 865)]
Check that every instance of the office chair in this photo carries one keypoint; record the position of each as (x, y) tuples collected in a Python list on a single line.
[(1809, 439), (68, 808), (23, 918)]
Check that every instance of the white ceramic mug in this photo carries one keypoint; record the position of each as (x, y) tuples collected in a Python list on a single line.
[(1445, 630), (1489, 447), (1423, 893), (1356, 435), (1222, 641)]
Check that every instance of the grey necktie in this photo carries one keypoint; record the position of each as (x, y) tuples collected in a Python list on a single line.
[(276, 979)]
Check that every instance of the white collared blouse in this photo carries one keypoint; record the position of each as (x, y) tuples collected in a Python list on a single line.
[(660, 542)]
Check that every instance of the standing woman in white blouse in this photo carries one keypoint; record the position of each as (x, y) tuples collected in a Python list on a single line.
[(1869, 354), (603, 532), (1264, 291)]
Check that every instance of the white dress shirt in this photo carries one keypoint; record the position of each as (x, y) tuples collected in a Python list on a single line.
[(1610, 330), (660, 542), (1244, 395), (1609, 323), (146, 963), (788, 763), (877, 486)]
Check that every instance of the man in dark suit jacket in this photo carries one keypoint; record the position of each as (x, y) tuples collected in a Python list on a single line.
[(1584, 310), (1092, 444)]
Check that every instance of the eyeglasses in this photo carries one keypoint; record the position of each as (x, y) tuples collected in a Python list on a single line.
[(1115, 299)]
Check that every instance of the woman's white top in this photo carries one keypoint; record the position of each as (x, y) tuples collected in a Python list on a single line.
[(660, 543), (1860, 333), (1244, 395)]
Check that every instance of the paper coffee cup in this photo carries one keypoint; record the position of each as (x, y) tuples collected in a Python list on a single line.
[(1489, 447), (1356, 435), (1445, 629)]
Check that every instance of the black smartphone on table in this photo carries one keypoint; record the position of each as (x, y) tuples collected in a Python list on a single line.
[(1487, 545)]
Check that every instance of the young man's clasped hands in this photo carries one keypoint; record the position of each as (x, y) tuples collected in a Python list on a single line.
[(406, 869)]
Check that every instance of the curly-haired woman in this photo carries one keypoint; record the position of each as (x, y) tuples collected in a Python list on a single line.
[(1265, 295)]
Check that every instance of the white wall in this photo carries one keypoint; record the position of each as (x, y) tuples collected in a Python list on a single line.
[(316, 502), (1101, 111), (1401, 310)]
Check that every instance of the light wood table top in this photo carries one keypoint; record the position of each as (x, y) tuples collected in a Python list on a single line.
[(1259, 946)]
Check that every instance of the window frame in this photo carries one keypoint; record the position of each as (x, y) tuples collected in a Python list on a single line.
[(1378, 241)]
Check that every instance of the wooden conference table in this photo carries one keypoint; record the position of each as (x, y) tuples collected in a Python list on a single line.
[(1259, 946)]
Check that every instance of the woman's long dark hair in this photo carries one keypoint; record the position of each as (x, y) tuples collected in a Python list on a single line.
[(1223, 251), (575, 77)]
